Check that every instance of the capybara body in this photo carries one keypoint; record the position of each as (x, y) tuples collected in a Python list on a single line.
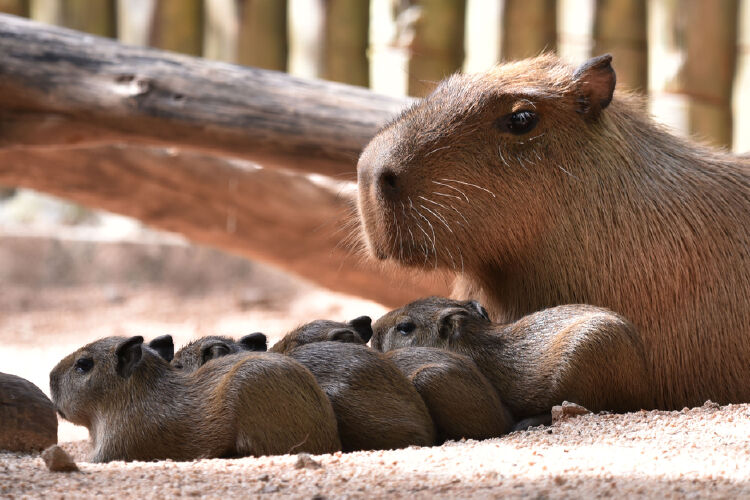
[(197, 352), (578, 353), (539, 186), (461, 401), (138, 407), (376, 407)]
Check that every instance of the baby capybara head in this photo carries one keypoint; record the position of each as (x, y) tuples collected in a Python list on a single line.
[(467, 171), (356, 331), (96, 375), (200, 351), (431, 322)]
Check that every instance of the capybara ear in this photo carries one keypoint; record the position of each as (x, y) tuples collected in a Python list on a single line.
[(450, 322), (164, 346), (363, 327), (479, 309), (214, 350), (254, 342), (344, 335), (595, 85), (129, 353)]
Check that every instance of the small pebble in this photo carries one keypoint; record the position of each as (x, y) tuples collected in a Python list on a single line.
[(58, 460), (567, 410), (305, 461)]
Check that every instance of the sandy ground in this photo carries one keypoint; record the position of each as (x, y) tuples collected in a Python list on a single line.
[(703, 452)]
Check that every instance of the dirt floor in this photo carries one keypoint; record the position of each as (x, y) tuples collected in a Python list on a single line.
[(703, 452)]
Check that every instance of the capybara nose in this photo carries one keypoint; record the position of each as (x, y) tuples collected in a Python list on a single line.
[(387, 182)]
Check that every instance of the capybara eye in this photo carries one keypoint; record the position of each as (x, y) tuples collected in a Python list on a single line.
[(405, 327), (178, 366), (518, 123), (83, 365)]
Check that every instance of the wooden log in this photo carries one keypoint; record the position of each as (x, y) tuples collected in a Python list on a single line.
[(620, 28), (433, 35), (262, 39), (294, 222), (529, 27), (177, 25), (58, 87), (346, 29)]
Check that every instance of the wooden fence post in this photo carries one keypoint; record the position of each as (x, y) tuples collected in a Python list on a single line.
[(177, 25), (262, 34), (433, 33), (620, 28), (705, 34), (529, 27), (346, 30)]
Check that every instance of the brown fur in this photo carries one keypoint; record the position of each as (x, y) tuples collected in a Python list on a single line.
[(577, 353), (597, 204), (356, 331), (461, 401), (241, 404)]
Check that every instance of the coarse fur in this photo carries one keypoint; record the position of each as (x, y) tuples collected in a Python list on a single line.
[(356, 331), (595, 204), (197, 352), (461, 401), (583, 354), (138, 407)]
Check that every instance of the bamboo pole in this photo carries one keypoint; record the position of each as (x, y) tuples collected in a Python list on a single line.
[(432, 31), (177, 25), (620, 28), (529, 27), (262, 34), (346, 33)]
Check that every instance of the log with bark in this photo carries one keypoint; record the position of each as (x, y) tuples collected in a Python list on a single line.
[(167, 139), (59, 87)]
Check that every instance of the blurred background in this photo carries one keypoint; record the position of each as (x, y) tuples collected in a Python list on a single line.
[(70, 273)]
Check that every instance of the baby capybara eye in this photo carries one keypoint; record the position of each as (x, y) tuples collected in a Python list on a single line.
[(406, 327), (83, 365)]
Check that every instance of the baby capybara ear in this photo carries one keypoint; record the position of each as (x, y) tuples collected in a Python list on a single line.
[(214, 350), (345, 335), (479, 309), (164, 346), (450, 322), (128, 353), (255, 342), (363, 327)]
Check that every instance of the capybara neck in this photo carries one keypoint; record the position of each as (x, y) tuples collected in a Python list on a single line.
[(539, 187)]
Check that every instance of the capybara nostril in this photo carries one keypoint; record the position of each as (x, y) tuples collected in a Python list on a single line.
[(387, 182)]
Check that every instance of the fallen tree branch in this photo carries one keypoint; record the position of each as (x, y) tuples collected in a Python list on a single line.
[(294, 222)]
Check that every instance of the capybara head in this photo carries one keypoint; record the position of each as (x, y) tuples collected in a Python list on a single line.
[(356, 331), (96, 375), (202, 350), (465, 173), (429, 322)]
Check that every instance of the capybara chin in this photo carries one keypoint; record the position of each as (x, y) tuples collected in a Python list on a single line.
[(538, 185), (138, 407), (579, 353)]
